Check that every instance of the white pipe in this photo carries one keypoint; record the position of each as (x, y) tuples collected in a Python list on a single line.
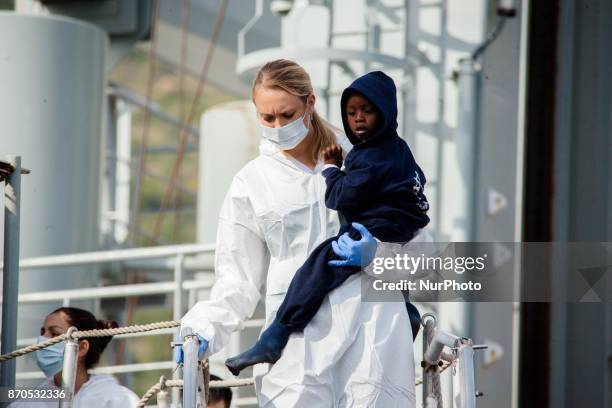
[(464, 379), (466, 139), (85, 258), (434, 351), (69, 369), (122, 172)]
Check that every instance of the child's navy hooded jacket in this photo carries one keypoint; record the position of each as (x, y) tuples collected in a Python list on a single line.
[(381, 186)]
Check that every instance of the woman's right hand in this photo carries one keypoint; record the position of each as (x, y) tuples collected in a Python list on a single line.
[(179, 356), (332, 155)]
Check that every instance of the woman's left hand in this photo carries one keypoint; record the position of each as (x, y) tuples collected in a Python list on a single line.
[(354, 253)]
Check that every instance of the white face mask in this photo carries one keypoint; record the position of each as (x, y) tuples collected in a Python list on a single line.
[(288, 136)]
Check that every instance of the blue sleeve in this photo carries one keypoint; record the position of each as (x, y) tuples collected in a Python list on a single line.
[(351, 189)]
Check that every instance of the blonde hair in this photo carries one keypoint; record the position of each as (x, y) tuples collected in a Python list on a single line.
[(292, 78)]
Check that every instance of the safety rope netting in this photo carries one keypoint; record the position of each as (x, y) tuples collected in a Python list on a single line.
[(125, 330), (139, 328)]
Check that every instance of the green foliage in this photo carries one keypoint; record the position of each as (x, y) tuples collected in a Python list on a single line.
[(133, 73)]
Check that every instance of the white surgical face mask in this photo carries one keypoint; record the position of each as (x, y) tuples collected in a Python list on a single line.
[(288, 136), (50, 360)]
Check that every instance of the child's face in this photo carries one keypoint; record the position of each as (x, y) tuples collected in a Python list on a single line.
[(362, 117)]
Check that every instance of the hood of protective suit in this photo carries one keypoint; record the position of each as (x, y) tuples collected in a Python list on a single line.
[(380, 90)]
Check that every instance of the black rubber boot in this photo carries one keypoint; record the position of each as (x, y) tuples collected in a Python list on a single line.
[(268, 349)]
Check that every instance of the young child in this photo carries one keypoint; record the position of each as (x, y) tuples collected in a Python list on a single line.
[(381, 188)]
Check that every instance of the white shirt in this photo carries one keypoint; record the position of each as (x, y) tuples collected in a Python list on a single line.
[(100, 391)]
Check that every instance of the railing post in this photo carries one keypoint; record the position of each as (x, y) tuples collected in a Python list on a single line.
[(179, 266), (10, 275), (177, 311), (69, 369), (190, 368), (464, 380)]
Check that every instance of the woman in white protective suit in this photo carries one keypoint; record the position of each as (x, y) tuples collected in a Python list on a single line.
[(353, 353)]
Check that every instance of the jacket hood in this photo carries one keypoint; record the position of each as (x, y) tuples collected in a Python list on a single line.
[(379, 89)]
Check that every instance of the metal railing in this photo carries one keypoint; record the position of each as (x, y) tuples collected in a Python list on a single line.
[(198, 257), (461, 356), (176, 258)]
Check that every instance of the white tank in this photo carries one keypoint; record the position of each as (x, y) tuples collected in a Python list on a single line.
[(52, 73), (229, 138)]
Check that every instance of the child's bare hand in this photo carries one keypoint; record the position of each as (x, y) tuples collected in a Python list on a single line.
[(332, 155)]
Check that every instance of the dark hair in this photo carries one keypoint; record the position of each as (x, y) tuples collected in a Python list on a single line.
[(84, 320), (219, 394)]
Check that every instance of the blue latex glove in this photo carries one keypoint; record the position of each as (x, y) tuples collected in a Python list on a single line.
[(178, 351), (354, 253)]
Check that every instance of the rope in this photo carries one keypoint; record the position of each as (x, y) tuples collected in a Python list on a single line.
[(179, 383), (147, 395), (168, 383), (434, 388), (30, 349), (140, 328), (419, 381), (157, 388), (242, 382), (91, 333)]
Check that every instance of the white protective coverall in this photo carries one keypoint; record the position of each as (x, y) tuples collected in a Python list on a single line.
[(100, 391), (353, 353)]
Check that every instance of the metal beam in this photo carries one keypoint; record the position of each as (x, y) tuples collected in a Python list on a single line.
[(10, 276), (85, 258), (135, 99)]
